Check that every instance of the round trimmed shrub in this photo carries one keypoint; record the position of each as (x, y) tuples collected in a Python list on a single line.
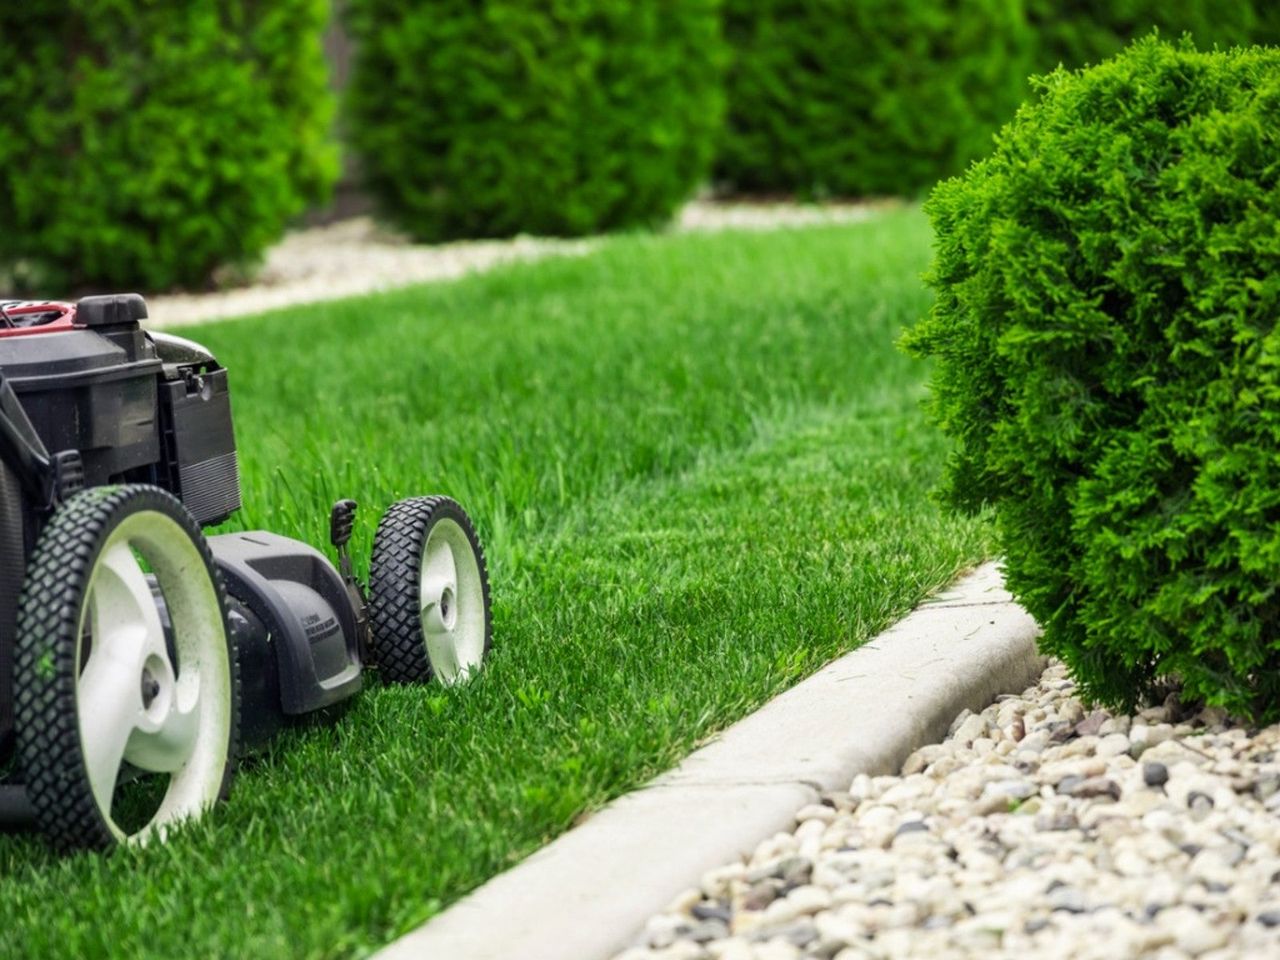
[(498, 117), (145, 145), (1078, 32), (863, 97), (1108, 366)]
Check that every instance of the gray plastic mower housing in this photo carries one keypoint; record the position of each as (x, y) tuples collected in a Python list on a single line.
[(303, 606)]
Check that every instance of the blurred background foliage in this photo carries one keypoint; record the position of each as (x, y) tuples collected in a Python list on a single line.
[(147, 144), (163, 145), (565, 117), (1079, 32), (858, 97)]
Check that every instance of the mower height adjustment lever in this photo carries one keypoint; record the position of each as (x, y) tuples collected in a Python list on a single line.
[(341, 523)]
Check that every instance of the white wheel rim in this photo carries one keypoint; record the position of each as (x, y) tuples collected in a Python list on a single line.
[(452, 603), (132, 705)]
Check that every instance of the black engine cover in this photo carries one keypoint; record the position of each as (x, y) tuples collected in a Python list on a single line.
[(89, 392), (137, 406)]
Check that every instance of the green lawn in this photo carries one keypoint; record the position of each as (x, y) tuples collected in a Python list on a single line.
[(701, 470)]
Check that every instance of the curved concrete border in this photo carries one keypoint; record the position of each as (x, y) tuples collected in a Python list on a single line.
[(586, 895)]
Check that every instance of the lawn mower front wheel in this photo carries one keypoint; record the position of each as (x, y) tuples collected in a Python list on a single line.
[(124, 669), (429, 593)]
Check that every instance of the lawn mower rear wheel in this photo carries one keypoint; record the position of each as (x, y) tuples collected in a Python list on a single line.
[(126, 682), (12, 545)]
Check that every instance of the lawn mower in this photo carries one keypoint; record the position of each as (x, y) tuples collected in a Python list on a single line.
[(140, 658)]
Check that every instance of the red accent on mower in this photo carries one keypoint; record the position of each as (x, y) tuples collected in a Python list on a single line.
[(19, 318)]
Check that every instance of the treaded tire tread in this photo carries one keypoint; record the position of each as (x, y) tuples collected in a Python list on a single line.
[(47, 724), (12, 561), (399, 650)]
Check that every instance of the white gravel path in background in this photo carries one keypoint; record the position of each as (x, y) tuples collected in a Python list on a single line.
[(1036, 830), (701, 215), (358, 256)]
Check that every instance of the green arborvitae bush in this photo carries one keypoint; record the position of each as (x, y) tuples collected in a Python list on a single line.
[(858, 97), (145, 145), (1108, 365), (1079, 32), (482, 118)]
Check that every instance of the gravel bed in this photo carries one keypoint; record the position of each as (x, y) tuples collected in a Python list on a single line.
[(1037, 829), (736, 215), (358, 256), (345, 259)]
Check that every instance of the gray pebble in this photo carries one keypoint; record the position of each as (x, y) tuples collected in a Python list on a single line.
[(788, 870), (1067, 899), (1068, 783), (1094, 787), (1267, 787), (796, 870), (1269, 918), (799, 934), (1237, 836), (824, 949), (1061, 733), (1155, 774), (1058, 822), (707, 931), (1199, 804), (712, 911), (760, 895), (1091, 724)]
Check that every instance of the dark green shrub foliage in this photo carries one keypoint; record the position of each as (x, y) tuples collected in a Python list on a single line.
[(477, 118), (857, 97), (1108, 364), (1079, 32), (144, 144)]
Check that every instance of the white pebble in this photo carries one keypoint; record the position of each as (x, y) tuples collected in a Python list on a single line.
[(816, 811), (800, 902)]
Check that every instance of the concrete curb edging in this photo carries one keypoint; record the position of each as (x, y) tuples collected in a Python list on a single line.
[(586, 895)]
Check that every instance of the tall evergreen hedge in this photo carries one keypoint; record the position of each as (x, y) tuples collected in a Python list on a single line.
[(858, 97), (478, 118), (1266, 28), (1108, 366), (1079, 32), (145, 144)]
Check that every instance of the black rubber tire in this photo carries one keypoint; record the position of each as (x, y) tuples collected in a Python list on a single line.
[(398, 649), (12, 567), (49, 618)]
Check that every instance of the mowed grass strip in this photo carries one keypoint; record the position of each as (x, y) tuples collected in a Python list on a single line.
[(701, 471)]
